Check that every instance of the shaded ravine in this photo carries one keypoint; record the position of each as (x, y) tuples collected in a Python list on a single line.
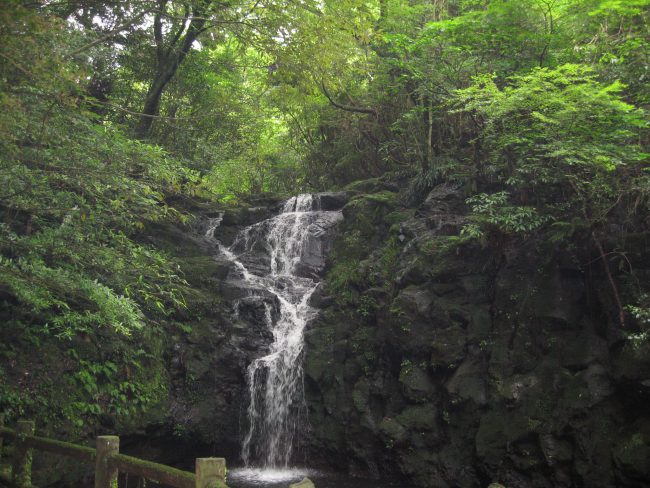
[(278, 261)]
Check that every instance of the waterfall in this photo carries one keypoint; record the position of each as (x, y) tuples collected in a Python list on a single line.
[(293, 245), (212, 225)]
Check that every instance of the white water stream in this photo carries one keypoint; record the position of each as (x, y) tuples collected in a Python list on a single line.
[(276, 406)]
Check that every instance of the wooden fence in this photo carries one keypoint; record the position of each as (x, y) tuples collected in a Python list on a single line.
[(210, 472)]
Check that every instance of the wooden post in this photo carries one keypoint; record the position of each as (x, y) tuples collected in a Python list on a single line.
[(107, 446), (210, 472), (22, 462)]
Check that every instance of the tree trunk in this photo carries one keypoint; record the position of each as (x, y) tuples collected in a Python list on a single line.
[(152, 101), (169, 58)]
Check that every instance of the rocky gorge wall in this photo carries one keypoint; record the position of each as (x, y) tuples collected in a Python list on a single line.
[(435, 360), (452, 364)]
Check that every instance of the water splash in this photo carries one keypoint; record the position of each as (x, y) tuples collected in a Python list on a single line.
[(276, 408), (266, 477)]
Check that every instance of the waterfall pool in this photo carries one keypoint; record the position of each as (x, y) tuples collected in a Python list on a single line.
[(282, 478)]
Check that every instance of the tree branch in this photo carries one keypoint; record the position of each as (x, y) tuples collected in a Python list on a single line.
[(347, 108), (112, 33), (157, 32), (182, 27)]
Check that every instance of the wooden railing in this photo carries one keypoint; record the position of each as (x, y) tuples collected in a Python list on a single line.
[(210, 472)]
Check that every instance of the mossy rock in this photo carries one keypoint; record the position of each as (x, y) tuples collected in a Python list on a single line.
[(199, 269), (419, 417), (399, 216), (555, 450), (512, 388), (469, 381), (416, 384), (321, 338), (632, 362), (632, 451), (448, 347), (366, 212), (360, 395), (198, 364), (392, 431), (414, 302), (421, 466), (586, 389), (499, 429), (242, 216), (318, 366), (414, 271), (371, 185)]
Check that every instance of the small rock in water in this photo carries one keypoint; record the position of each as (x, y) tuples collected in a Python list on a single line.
[(495, 485), (305, 483)]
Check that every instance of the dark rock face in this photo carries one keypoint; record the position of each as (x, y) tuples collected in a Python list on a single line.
[(432, 359), (454, 365), (318, 245), (328, 201)]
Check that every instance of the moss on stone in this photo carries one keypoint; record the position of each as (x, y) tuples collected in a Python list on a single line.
[(391, 430), (398, 217), (360, 395), (497, 431), (419, 417), (416, 384), (366, 186)]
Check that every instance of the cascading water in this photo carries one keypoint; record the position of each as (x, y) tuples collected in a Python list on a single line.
[(293, 243)]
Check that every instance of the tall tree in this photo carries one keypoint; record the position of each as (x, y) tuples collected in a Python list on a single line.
[(173, 42)]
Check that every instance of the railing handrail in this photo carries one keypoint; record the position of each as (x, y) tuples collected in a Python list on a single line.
[(153, 471), (210, 472), (62, 448)]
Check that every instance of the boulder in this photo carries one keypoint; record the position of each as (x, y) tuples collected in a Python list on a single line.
[(245, 216), (416, 384), (631, 452), (329, 201), (305, 483), (469, 381)]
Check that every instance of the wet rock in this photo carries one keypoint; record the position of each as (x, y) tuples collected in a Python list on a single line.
[(632, 451), (305, 483), (320, 299), (444, 209), (555, 450), (317, 244), (416, 384), (368, 212), (243, 217), (328, 201), (419, 417), (415, 301), (392, 431), (578, 349), (469, 381), (499, 430), (448, 347)]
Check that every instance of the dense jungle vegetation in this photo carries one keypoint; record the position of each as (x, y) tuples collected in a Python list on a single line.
[(118, 116)]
